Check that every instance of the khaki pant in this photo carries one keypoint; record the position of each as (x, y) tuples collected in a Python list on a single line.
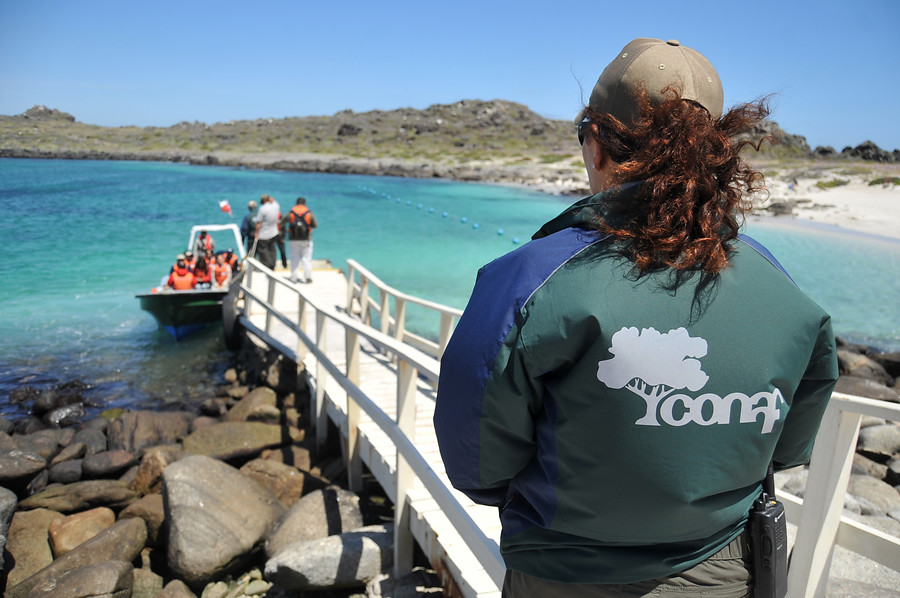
[(725, 574)]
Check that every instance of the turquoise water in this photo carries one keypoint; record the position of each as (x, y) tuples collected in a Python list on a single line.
[(82, 238)]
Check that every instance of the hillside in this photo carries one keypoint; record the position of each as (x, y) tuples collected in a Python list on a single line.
[(492, 141)]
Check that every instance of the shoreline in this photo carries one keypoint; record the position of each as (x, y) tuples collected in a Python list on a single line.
[(834, 195)]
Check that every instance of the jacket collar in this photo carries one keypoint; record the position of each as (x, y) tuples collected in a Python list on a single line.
[(587, 213)]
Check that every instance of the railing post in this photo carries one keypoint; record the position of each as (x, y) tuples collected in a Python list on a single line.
[(385, 311), (354, 462), (406, 421), (270, 297), (446, 333), (351, 272), (829, 472), (364, 313), (400, 319), (320, 417), (301, 323)]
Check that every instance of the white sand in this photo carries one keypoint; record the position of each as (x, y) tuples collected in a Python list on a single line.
[(855, 206)]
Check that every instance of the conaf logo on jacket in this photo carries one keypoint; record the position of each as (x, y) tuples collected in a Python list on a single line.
[(653, 365)]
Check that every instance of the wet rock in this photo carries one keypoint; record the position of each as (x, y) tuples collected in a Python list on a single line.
[(6, 426), (29, 544), (82, 495), (40, 442), (8, 502), (136, 430), (149, 508), (258, 405), (72, 531), (66, 472), (350, 559), (112, 579), (107, 464), (879, 443), (217, 517), (123, 541), (232, 440), (317, 515), (65, 415)]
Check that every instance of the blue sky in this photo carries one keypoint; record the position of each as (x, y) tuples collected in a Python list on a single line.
[(833, 65)]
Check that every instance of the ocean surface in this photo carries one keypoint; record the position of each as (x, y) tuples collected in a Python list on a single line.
[(82, 238)]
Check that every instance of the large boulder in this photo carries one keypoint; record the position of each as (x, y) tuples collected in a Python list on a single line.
[(8, 502), (136, 430), (261, 404), (345, 560), (217, 518), (862, 387), (860, 366), (28, 544), (317, 515), (233, 440), (70, 532), (879, 443)]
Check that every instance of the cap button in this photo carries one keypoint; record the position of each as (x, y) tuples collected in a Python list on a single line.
[(673, 42)]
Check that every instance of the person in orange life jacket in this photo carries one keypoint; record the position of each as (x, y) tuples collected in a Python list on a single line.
[(301, 245), (221, 271), (204, 243), (181, 278), (232, 260), (202, 273), (190, 259)]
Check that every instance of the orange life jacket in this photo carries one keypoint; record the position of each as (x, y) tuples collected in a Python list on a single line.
[(221, 273), (201, 276), (182, 279)]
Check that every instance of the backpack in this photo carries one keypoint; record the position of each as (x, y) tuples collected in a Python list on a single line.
[(298, 229)]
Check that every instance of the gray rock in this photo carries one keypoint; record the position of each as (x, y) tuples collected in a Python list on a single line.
[(881, 494), (107, 464), (863, 464), (136, 430), (82, 495), (879, 443), (317, 515), (176, 589), (76, 450), (18, 467), (8, 502), (232, 440), (93, 438), (866, 388), (259, 405), (149, 508), (67, 472), (892, 472), (860, 366), (123, 541), (110, 579), (346, 560), (286, 482), (217, 517)]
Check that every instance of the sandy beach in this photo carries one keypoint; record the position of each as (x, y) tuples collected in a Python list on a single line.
[(840, 197)]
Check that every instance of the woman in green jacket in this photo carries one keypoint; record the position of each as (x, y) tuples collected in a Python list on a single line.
[(618, 386)]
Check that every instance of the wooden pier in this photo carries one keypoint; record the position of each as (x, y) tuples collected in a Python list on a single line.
[(376, 382)]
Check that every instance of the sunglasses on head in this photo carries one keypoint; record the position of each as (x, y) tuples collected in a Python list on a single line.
[(582, 127)]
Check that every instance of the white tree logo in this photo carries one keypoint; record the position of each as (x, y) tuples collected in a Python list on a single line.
[(653, 365)]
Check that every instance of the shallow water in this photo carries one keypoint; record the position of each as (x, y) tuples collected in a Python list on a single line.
[(82, 238)]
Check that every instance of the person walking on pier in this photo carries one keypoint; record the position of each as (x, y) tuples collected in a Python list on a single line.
[(267, 231), (248, 226), (299, 223), (618, 386)]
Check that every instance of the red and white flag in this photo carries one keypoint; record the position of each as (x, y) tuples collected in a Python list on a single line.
[(223, 205)]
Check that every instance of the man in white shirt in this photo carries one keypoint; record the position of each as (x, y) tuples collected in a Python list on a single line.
[(267, 230)]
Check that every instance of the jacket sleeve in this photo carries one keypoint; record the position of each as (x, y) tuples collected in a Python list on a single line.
[(810, 400), (487, 398)]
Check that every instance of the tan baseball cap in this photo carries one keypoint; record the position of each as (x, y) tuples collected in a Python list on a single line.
[(654, 64)]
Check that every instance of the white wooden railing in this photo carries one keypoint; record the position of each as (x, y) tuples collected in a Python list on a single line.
[(820, 523), (394, 323), (412, 364), (818, 515)]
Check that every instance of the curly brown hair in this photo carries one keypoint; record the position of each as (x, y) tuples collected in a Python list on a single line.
[(695, 184)]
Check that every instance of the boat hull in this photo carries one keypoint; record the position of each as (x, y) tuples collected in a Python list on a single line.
[(181, 313)]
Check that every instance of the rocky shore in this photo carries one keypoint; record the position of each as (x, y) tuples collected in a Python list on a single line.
[(234, 499)]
